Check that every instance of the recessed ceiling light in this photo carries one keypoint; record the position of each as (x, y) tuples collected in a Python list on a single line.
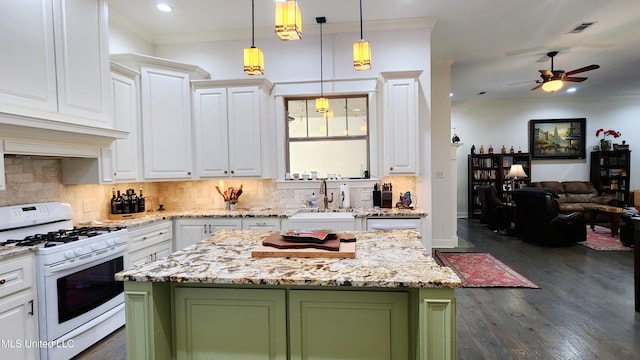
[(450, 94), (164, 7), (571, 90)]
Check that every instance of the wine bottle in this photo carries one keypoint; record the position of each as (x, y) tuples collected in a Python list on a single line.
[(119, 203), (125, 202), (141, 201), (114, 209), (133, 201)]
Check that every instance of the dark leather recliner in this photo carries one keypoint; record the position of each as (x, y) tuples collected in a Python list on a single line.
[(495, 213), (537, 219)]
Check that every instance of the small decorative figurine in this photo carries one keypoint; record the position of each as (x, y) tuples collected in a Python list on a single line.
[(455, 139), (481, 149), (473, 149)]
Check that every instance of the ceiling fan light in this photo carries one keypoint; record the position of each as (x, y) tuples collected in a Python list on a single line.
[(288, 20), (253, 61), (552, 86), (361, 55)]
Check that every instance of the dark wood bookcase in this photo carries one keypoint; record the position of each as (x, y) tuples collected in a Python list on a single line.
[(610, 174), (492, 169)]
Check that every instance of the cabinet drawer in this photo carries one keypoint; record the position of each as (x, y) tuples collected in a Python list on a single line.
[(144, 236), (261, 224), (16, 274)]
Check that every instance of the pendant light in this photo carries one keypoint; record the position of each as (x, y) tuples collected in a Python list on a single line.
[(361, 50), (288, 20), (322, 103), (253, 57)]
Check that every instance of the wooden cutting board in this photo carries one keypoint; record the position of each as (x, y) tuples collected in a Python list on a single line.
[(341, 249)]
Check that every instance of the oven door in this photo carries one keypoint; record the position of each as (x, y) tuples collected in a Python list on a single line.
[(76, 292)]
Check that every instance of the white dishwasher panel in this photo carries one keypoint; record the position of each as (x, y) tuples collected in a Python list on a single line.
[(394, 224)]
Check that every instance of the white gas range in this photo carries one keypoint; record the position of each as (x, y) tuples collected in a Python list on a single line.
[(79, 302)]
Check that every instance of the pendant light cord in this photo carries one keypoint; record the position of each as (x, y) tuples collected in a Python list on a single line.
[(361, 34), (253, 30), (321, 78)]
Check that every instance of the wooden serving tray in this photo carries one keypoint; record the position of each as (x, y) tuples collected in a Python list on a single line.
[(275, 246)]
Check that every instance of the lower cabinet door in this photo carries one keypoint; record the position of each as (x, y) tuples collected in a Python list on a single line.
[(243, 324), (348, 325)]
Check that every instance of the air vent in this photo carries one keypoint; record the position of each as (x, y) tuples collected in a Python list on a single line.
[(580, 28)]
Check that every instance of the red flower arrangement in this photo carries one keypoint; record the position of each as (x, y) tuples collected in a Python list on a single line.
[(615, 134)]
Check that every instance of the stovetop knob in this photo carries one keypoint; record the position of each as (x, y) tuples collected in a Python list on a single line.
[(68, 254)]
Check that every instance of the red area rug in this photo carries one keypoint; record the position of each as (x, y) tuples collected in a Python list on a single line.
[(601, 239), (482, 270)]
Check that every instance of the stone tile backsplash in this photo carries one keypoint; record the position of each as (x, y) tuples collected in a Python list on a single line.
[(39, 179)]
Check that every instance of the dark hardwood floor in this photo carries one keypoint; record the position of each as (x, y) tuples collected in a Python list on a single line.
[(584, 310)]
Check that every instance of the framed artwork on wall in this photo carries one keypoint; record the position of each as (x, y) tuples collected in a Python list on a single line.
[(557, 138)]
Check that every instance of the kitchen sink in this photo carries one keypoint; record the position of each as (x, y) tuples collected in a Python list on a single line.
[(322, 220)]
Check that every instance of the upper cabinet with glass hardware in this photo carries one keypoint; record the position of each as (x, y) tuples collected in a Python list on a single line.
[(55, 61), (401, 122), (232, 128)]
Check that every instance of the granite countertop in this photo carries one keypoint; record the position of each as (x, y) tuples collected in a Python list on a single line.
[(13, 251), (153, 216), (385, 259)]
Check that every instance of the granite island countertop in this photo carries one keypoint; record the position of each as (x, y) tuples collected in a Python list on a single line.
[(154, 216), (384, 259)]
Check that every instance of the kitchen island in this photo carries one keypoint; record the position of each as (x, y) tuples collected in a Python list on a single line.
[(214, 300)]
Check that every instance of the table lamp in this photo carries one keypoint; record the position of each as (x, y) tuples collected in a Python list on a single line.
[(516, 171)]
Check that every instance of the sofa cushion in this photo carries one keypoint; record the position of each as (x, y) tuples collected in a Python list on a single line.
[(555, 186)]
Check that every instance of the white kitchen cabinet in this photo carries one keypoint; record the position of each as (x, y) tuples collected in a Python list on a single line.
[(126, 116), (150, 242), (231, 128), (165, 98), (261, 223), (56, 61), (18, 318), (401, 123), (190, 231)]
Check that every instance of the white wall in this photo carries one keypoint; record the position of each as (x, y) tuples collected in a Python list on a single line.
[(505, 122)]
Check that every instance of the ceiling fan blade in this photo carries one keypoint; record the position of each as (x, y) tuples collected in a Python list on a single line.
[(524, 51), (582, 69), (575, 79), (537, 86), (523, 82)]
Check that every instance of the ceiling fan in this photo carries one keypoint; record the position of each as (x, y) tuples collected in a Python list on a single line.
[(553, 80)]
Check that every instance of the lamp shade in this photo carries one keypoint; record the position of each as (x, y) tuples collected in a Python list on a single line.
[(361, 55), (516, 171), (253, 61), (288, 20), (322, 104), (552, 86)]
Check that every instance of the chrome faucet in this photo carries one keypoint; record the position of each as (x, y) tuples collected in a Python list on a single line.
[(323, 192)]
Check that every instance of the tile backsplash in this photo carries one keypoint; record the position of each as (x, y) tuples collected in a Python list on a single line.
[(39, 179)]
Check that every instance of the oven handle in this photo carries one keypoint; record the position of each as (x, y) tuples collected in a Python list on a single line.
[(65, 265)]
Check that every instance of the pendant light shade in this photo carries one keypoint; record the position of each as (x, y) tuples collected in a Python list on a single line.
[(361, 50), (253, 61), (253, 58), (322, 103), (288, 20), (361, 55), (552, 86)]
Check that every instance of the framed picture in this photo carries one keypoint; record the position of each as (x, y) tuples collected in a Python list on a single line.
[(557, 138)]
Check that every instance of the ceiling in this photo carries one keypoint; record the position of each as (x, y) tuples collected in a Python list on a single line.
[(492, 43)]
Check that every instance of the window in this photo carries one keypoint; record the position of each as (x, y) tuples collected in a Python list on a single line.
[(336, 142)]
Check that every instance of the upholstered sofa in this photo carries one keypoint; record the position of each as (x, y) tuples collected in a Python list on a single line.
[(575, 196)]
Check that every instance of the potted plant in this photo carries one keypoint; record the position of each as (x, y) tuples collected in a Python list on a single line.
[(605, 143)]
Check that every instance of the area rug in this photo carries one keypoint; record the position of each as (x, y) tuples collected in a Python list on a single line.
[(482, 270), (601, 239)]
